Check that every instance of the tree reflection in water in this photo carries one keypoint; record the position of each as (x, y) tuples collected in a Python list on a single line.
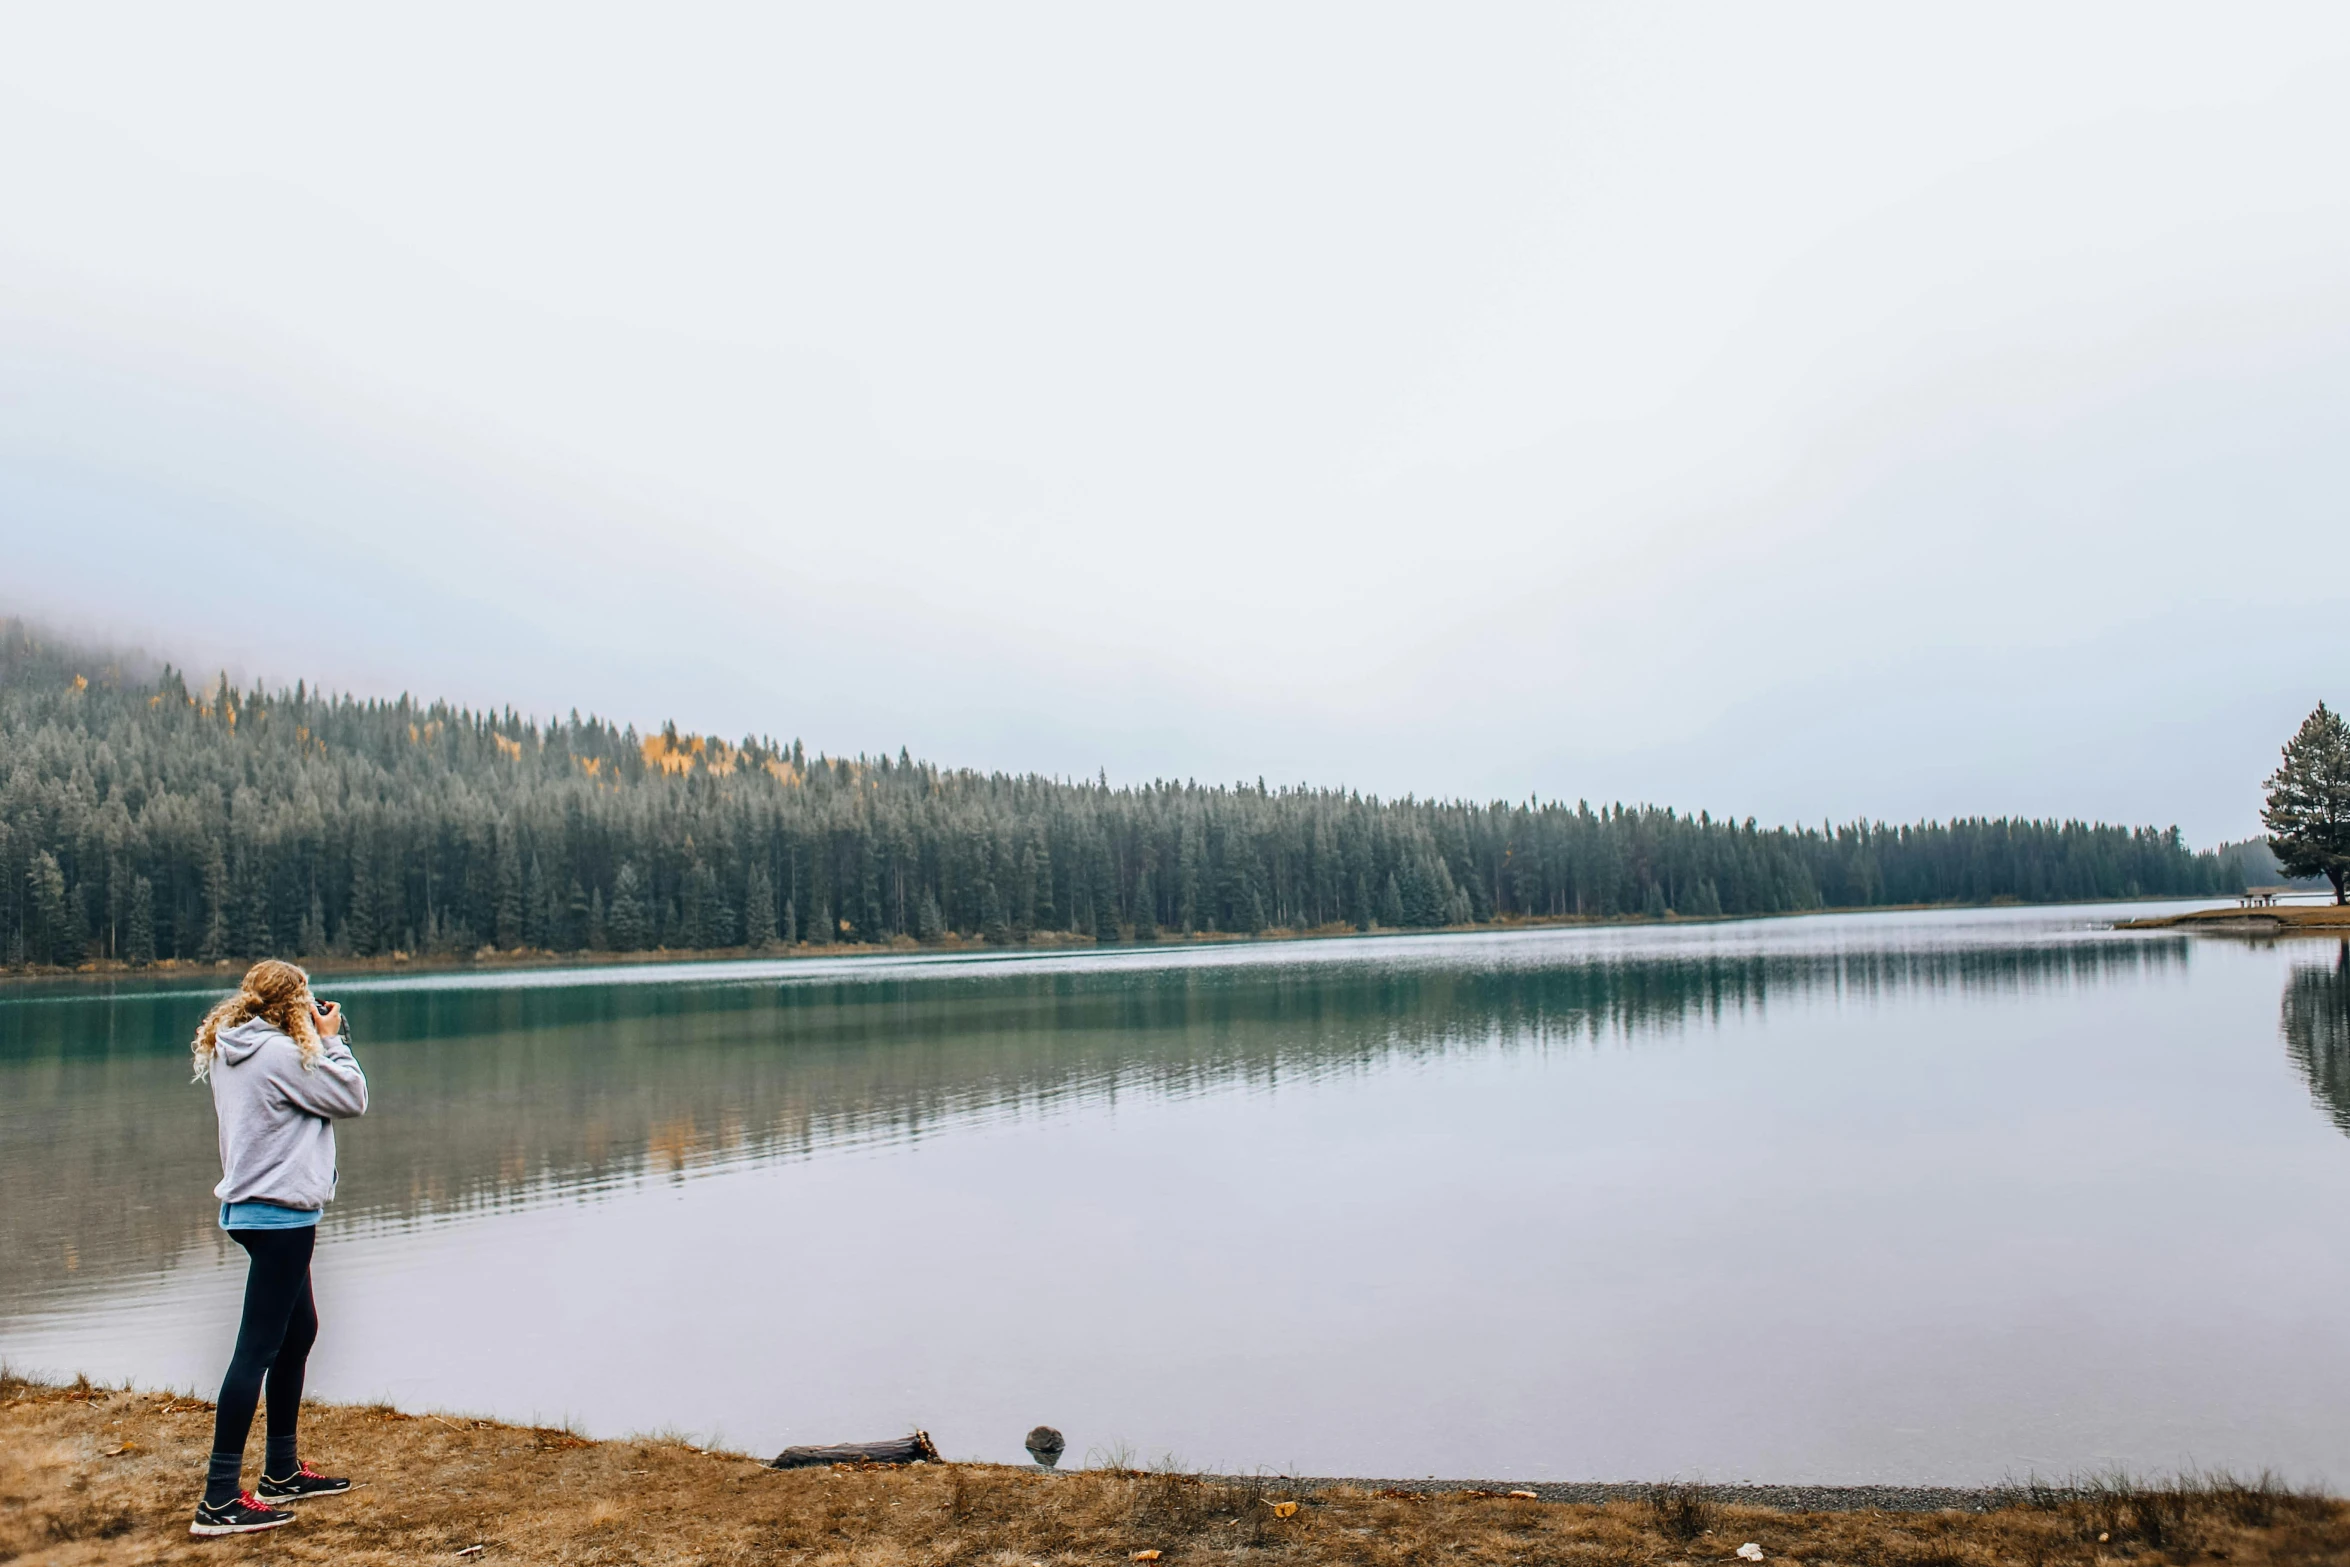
[(2316, 1025), (493, 1097)]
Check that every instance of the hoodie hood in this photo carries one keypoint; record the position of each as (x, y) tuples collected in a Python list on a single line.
[(238, 1044)]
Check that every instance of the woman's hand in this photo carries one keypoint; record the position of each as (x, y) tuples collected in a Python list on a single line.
[(329, 1016)]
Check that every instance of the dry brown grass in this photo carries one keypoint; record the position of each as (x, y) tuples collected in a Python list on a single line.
[(93, 1475)]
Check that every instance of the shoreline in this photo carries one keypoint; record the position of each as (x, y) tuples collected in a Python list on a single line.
[(2293, 919), (1791, 1498), (521, 960), (96, 1474)]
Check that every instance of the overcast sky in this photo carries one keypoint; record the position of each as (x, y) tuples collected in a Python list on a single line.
[(1798, 411)]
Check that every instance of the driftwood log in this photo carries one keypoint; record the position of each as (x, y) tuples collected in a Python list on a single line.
[(915, 1449)]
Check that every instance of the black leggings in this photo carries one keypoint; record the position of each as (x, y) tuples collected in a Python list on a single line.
[(273, 1342)]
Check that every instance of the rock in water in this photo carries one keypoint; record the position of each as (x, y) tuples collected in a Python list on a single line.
[(1045, 1445)]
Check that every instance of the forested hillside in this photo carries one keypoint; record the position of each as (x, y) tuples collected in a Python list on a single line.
[(141, 818)]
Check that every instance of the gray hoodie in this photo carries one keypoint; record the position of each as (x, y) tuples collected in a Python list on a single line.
[(277, 1122)]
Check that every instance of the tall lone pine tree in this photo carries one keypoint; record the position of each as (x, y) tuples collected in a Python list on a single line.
[(2308, 814)]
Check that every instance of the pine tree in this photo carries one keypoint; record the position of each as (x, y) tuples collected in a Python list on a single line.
[(254, 935), (359, 932), (138, 943), (758, 908), (506, 912), (1048, 914), (1105, 902), (1391, 904), (582, 920), (312, 939), (871, 919), (51, 920), (1239, 886), (1024, 898), (1146, 914), (629, 920), (1445, 901), (118, 877), (725, 921), (216, 898), (2308, 809), (929, 925), (697, 925), (538, 907), (1187, 910)]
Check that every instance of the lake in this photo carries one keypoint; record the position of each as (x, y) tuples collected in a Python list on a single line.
[(1949, 1197)]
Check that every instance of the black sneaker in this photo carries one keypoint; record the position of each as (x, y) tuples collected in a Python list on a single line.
[(242, 1516), (300, 1486)]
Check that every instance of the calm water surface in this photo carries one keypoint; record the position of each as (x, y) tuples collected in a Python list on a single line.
[(1949, 1197)]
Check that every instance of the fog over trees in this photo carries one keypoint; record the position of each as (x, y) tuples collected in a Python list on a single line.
[(142, 818)]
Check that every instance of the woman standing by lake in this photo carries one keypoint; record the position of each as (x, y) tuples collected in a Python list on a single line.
[(281, 1076)]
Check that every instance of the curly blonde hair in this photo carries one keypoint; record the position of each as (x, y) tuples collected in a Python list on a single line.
[(275, 992)]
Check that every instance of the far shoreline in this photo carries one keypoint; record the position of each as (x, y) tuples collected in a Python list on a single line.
[(525, 960)]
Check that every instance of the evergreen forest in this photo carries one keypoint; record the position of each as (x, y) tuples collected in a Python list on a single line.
[(143, 819)]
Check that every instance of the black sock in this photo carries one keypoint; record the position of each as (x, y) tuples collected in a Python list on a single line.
[(278, 1460), (220, 1478)]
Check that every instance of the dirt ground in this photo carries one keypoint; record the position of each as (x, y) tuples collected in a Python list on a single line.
[(95, 1475)]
